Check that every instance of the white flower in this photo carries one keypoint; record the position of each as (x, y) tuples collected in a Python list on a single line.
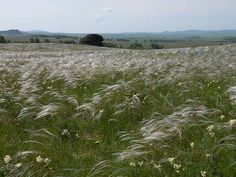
[(132, 164), (171, 160), (65, 132), (39, 159), (232, 122), (47, 161), (140, 163), (210, 130), (203, 173), (157, 166), (7, 159), (222, 117), (18, 165), (208, 155), (192, 145), (177, 167)]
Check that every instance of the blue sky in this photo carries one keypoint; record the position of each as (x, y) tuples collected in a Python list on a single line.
[(117, 15)]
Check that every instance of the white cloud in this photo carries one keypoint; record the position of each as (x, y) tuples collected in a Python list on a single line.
[(107, 10), (99, 17)]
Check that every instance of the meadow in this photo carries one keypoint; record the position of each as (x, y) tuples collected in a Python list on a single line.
[(82, 111)]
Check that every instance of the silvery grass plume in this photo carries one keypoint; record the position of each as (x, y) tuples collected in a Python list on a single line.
[(159, 132)]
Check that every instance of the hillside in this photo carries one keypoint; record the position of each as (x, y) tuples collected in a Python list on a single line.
[(12, 33), (81, 111)]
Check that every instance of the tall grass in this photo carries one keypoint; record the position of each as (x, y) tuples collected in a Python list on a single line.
[(69, 110)]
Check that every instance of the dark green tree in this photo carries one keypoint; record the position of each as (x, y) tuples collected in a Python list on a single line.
[(37, 40), (32, 40), (92, 39), (2, 39)]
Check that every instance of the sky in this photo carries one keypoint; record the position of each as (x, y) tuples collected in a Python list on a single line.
[(115, 16)]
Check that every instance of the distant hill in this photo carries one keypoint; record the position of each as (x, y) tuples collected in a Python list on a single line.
[(191, 34), (12, 32), (176, 34), (39, 32)]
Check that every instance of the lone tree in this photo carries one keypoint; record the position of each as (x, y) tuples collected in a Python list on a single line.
[(2, 39), (92, 39)]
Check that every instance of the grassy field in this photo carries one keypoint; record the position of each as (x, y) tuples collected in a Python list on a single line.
[(169, 43), (79, 111)]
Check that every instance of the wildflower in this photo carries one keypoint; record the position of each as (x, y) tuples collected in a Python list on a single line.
[(192, 145), (171, 160), (47, 161), (177, 167), (7, 159), (101, 111), (39, 159), (18, 165), (140, 163), (132, 164), (208, 155), (203, 173), (222, 117), (65, 132), (232, 122), (157, 167), (210, 130), (97, 142)]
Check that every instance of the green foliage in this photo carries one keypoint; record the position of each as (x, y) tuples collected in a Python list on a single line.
[(156, 46), (136, 45), (2, 39), (92, 39), (47, 41)]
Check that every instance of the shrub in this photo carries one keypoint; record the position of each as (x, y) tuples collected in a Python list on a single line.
[(37, 40), (92, 39), (46, 41), (136, 45), (2, 39), (156, 46)]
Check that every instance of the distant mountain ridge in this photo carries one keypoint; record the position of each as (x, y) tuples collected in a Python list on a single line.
[(12, 32), (165, 34)]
